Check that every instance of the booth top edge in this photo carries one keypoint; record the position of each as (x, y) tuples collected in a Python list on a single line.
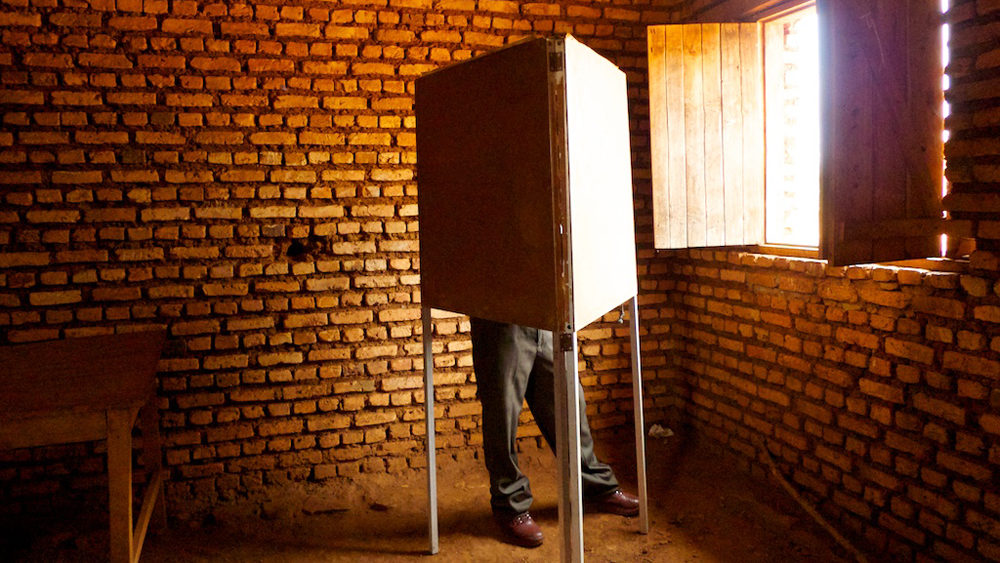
[(561, 37)]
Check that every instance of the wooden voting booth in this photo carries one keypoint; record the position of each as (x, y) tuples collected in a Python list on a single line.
[(525, 201)]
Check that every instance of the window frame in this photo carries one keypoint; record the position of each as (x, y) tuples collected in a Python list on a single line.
[(905, 229)]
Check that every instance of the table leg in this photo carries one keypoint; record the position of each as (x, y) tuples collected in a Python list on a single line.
[(152, 453), (120, 484)]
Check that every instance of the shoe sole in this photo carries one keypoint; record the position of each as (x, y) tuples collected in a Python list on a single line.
[(604, 510), (521, 543)]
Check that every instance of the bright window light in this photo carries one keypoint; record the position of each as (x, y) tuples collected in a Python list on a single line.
[(791, 75)]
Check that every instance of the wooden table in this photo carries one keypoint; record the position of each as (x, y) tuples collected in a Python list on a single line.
[(87, 389)]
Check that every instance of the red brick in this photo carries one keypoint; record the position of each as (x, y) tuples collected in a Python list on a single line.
[(910, 350), (101, 137), (52, 216), (190, 100), (77, 177), (19, 97), (279, 358), (261, 138), (186, 26), (43, 138), (116, 294), (318, 138), (939, 408), (894, 299), (270, 65), (133, 23), (41, 59), (47, 298), (76, 256), (274, 427), (330, 67), (304, 320), (216, 64), (105, 60), (940, 306), (26, 177), (971, 364), (881, 390), (18, 19), (373, 418), (176, 62)]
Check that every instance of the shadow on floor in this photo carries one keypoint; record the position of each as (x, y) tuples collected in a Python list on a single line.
[(701, 510)]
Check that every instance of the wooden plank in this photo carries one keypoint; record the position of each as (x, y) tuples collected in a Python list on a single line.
[(889, 185), (80, 373), (483, 141), (926, 119), (732, 132), (600, 184), (828, 131), (774, 131), (676, 135), (562, 226), (902, 229), (846, 185), (567, 438), (658, 133), (738, 10), (753, 133), (152, 453), (715, 202), (694, 134), (60, 427), (154, 491), (120, 484)]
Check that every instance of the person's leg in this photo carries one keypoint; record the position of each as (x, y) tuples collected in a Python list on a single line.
[(597, 477), (502, 363)]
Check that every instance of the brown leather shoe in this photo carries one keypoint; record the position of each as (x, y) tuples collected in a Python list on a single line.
[(519, 529), (616, 502)]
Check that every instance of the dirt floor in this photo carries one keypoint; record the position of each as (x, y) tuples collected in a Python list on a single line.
[(701, 511)]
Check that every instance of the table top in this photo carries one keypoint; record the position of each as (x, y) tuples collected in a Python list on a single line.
[(91, 373)]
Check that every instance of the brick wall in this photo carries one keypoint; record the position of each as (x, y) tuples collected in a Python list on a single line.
[(972, 150), (875, 388), (242, 175)]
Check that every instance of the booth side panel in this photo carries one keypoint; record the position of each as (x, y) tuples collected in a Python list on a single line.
[(600, 184), (485, 189)]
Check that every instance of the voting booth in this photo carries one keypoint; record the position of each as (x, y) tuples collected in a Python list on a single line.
[(524, 183)]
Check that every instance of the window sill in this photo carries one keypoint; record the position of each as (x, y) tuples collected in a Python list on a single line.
[(790, 251), (939, 264), (936, 264)]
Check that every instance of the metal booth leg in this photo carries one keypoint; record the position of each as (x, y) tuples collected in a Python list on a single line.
[(640, 434), (432, 523), (567, 399)]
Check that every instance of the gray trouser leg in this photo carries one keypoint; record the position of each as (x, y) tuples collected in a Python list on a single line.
[(514, 363)]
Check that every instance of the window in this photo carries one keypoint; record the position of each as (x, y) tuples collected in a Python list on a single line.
[(880, 132), (791, 129)]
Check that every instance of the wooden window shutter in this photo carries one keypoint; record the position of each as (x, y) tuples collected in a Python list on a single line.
[(881, 145), (707, 131)]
